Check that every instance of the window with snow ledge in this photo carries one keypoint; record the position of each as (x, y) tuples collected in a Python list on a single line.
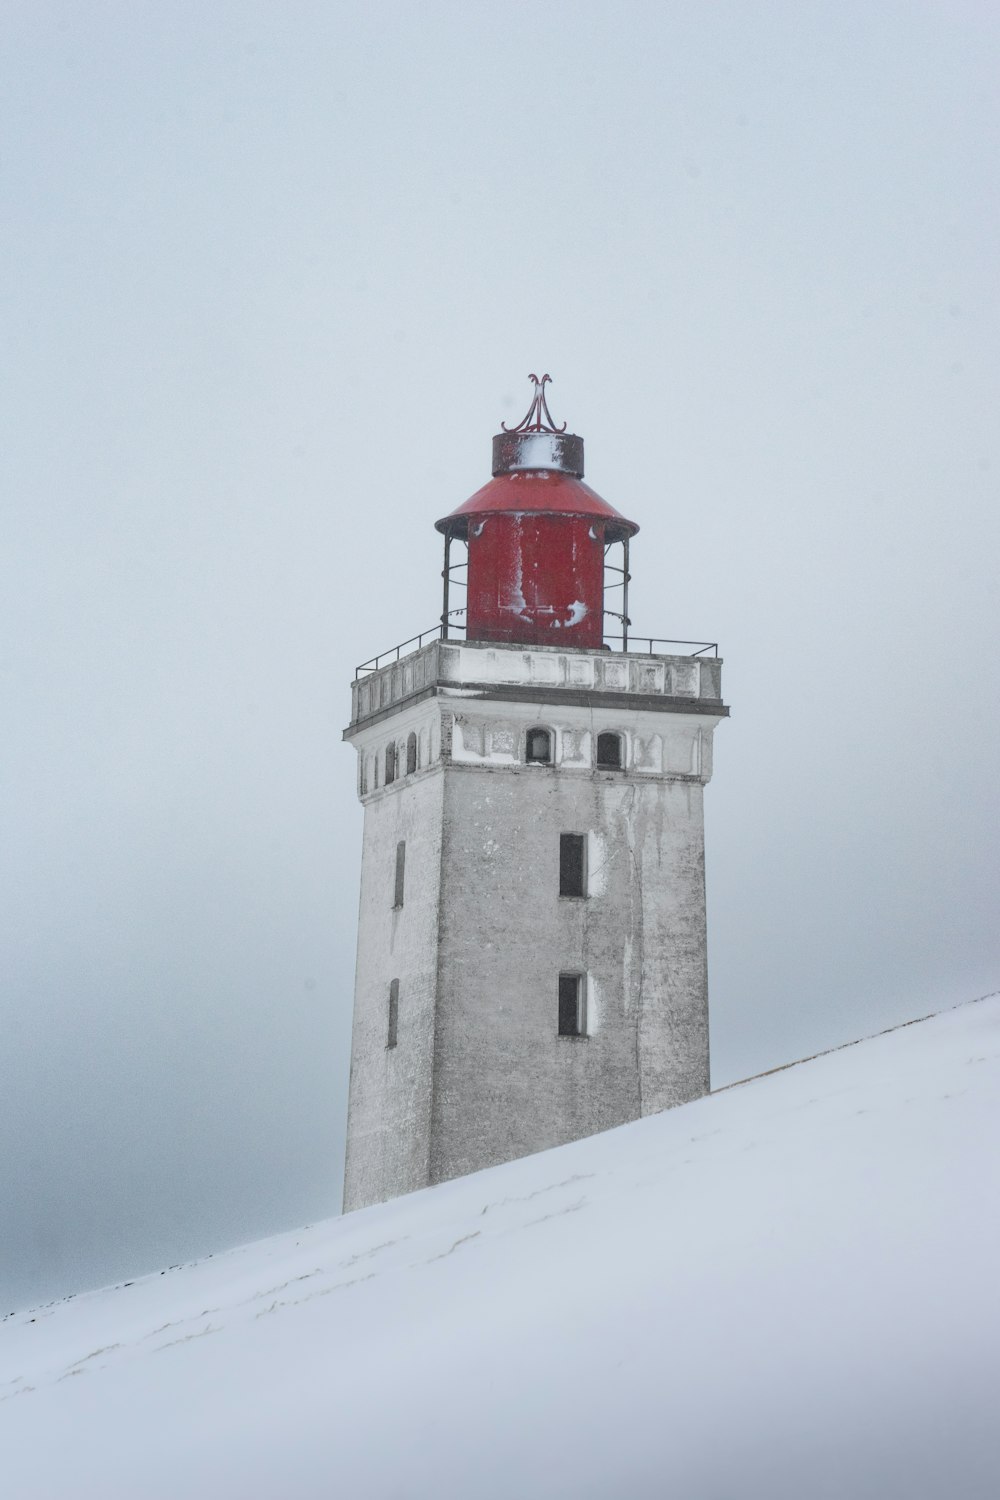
[(572, 1005), (538, 747)]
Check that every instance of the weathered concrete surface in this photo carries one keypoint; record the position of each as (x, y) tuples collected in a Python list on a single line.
[(444, 665), (505, 1084), (480, 1074), (388, 1140)]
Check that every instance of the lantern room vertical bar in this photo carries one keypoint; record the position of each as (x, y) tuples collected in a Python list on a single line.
[(625, 578), (446, 575)]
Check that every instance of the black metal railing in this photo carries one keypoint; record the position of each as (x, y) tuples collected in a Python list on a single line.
[(637, 645), (395, 653), (642, 645)]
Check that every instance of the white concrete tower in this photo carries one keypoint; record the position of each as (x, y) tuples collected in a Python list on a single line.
[(532, 943)]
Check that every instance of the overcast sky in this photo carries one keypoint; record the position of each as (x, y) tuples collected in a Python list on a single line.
[(272, 275)]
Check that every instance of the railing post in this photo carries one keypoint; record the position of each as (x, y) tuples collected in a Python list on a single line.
[(446, 576), (625, 594)]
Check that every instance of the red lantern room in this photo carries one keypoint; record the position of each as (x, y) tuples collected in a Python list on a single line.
[(537, 540)]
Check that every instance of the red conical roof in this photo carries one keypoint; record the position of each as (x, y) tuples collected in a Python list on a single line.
[(538, 491)]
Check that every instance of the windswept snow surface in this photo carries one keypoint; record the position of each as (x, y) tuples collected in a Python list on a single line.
[(788, 1289)]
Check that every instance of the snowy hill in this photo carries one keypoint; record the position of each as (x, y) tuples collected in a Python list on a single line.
[(788, 1289)]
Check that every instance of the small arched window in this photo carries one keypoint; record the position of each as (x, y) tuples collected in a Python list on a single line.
[(411, 754), (609, 752), (390, 764), (375, 771), (538, 747)]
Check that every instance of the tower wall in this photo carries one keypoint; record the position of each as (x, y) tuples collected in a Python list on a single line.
[(389, 1108), (479, 1073), (505, 1082)]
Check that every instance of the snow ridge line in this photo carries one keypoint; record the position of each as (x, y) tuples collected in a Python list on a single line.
[(843, 1046)]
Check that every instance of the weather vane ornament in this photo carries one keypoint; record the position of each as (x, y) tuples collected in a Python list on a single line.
[(538, 418)]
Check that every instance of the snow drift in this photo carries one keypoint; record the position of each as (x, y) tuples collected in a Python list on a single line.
[(788, 1289)]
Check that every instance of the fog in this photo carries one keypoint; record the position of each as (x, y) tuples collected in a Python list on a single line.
[(273, 276)]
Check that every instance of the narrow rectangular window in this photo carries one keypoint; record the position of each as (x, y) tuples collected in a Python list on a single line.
[(400, 872), (393, 1013), (572, 1018), (572, 864)]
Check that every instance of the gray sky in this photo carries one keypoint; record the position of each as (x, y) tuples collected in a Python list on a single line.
[(272, 276)]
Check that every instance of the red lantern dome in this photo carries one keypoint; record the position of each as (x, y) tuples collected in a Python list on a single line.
[(537, 537)]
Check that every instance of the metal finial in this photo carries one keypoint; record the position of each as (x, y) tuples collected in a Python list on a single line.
[(538, 418)]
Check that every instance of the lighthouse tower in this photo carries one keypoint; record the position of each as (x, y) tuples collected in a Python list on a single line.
[(532, 945)]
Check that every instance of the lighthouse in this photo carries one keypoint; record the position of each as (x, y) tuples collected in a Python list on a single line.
[(532, 953)]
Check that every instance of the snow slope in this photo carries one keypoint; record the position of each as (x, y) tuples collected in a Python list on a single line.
[(788, 1289)]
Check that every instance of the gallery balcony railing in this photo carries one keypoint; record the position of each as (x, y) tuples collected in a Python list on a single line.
[(643, 645)]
